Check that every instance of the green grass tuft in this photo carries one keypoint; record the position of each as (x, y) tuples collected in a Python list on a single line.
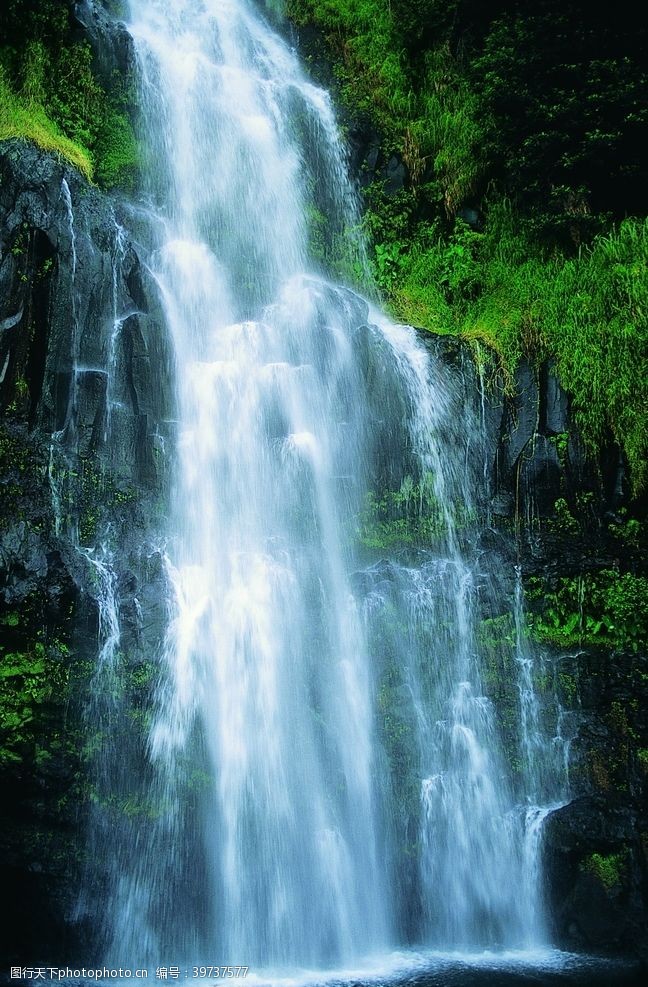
[(28, 120)]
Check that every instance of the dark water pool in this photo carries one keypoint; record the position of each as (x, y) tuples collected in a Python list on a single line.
[(543, 967), (550, 967)]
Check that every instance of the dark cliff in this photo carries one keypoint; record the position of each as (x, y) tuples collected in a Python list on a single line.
[(85, 408)]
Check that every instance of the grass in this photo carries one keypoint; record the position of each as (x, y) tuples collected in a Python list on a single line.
[(597, 325), (589, 313), (28, 120), (425, 112), (539, 278), (49, 94)]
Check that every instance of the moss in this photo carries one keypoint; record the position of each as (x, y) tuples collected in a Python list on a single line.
[(410, 515), (600, 771), (398, 739), (496, 642), (619, 718), (23, 473), (29, 680), (91, 498), (568, 684), (609, 870)]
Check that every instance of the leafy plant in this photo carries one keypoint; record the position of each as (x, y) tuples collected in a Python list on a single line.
[(411, 515), (607, 868), (606, 607), (30, 121), (28, 680)]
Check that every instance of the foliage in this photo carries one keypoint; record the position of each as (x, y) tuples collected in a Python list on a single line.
[(564, 521), (606, 608), (411, 515), (496, 639), (596, 323), (630, 531), (397, 736), (590, 312), (530, 120), (29, 120), (28, 680), (607, 868), (563, 85), (50, 93), (418, 97), (545, 100)]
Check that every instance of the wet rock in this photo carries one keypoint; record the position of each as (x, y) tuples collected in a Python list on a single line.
[(539, 476), (521, 417), (395, 175), (65, 288), (555, 403), (503, 504), (596, 875), (86, 405), (112, 45)]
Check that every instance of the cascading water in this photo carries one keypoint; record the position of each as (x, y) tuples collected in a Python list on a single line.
[(326, 778)]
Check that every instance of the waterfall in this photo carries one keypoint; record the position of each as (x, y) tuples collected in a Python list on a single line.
[(325, 775)]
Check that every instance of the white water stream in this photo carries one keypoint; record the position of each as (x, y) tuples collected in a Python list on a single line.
[(326, 775)]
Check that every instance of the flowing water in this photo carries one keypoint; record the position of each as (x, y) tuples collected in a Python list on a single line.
[(326, 775)]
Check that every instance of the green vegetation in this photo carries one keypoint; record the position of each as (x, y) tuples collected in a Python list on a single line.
[(608, 869), (564, 521), (29, 680), (521, 125), (589, 312), (50, 93), (496, 645), (411, 515), (397, 736), (29, 120), (89, 496), (606, 608)]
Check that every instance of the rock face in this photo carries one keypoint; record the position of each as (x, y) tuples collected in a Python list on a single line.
[(594, 856), (87, 403), (76, 311), (85, 394)]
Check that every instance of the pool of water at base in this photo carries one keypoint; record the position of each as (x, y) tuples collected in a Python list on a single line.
[(539, 968)]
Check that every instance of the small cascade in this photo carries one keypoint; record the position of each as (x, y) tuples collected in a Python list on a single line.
[(545, 756), (118, 319), (66, 195), (65, 521)]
